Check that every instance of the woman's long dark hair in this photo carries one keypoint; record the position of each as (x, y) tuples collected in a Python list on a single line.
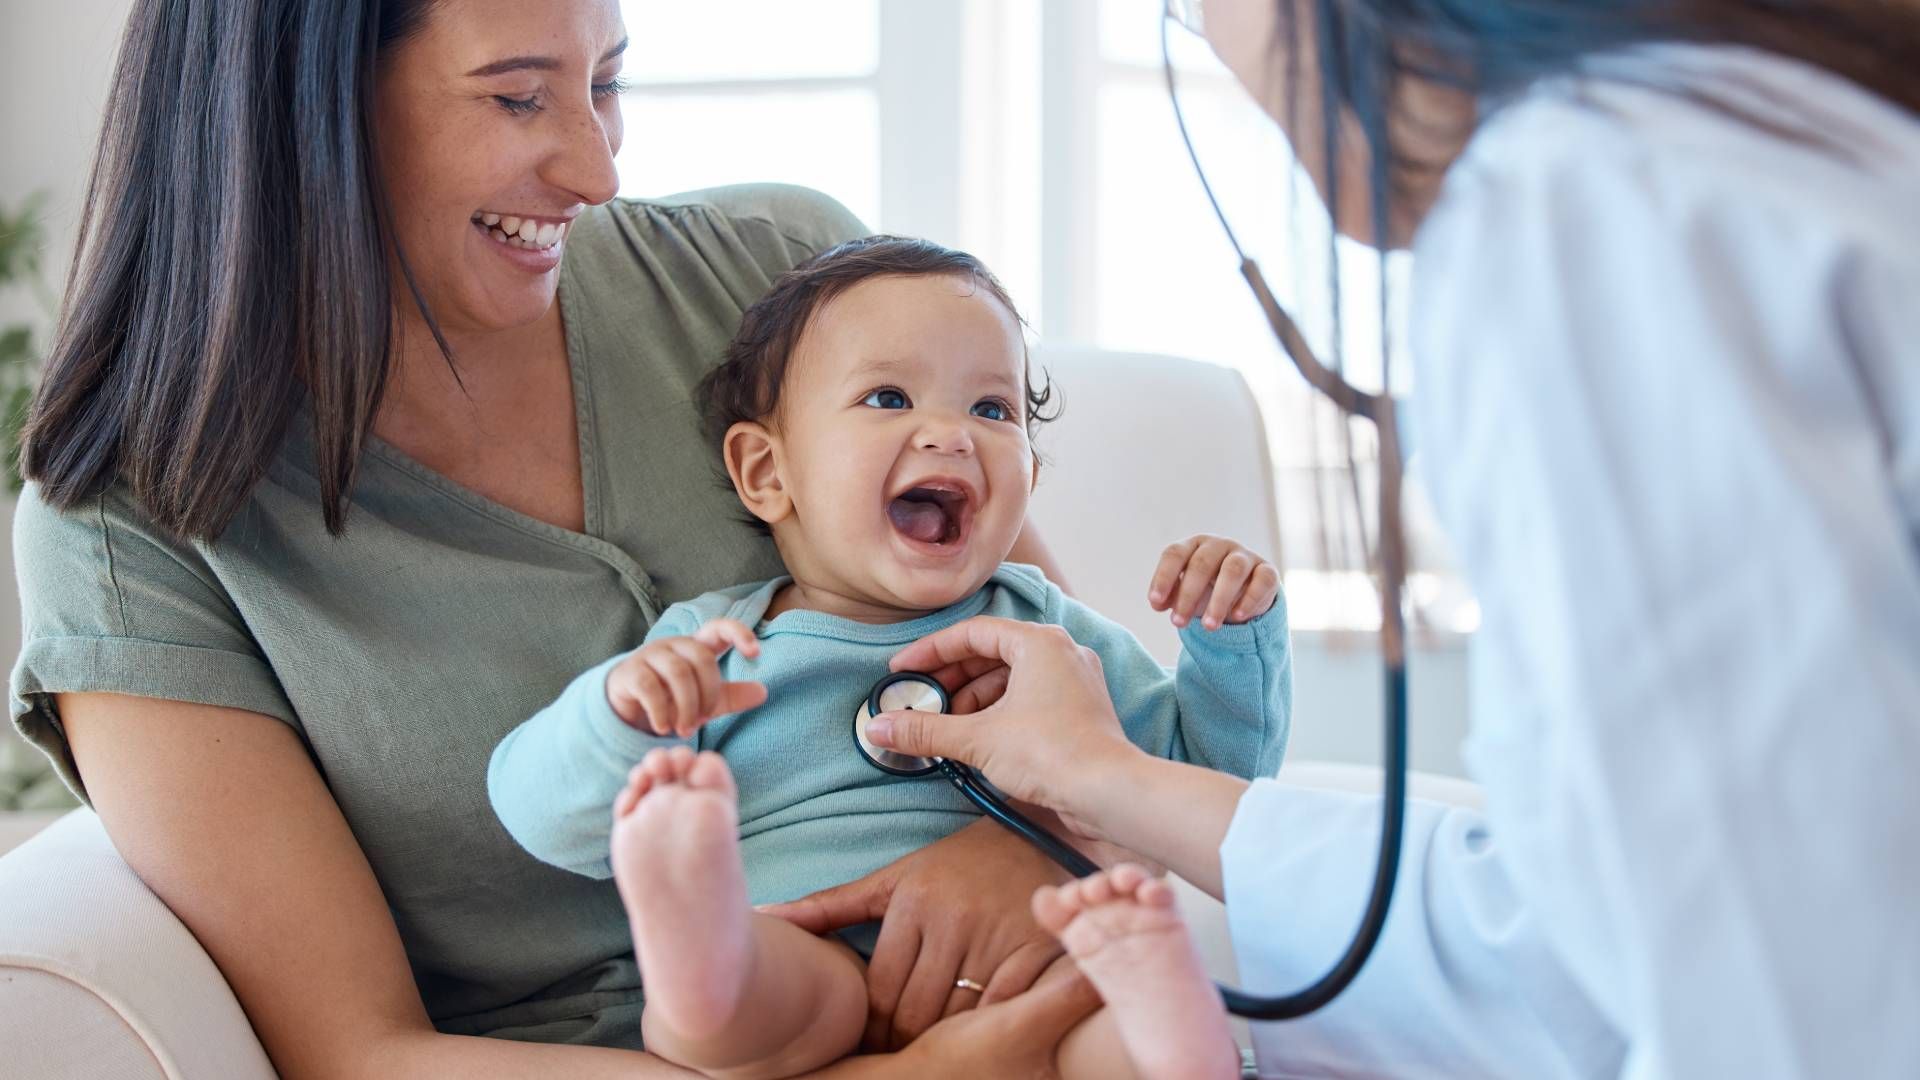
[(233, 257)]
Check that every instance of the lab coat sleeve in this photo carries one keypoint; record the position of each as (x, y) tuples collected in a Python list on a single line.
[(1656, 437), (1228, 703), (1461, 983), (553, 779)]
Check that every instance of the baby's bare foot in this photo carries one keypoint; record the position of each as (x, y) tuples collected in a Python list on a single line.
[(1122, 929), (676, 858)]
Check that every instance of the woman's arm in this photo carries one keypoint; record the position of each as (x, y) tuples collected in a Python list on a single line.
[(1030, 549), (224, 817)]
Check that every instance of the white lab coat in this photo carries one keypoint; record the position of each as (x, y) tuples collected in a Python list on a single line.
[(1668, 406)]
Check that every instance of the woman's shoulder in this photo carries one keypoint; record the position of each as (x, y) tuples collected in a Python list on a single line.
[(762, 228), (800, 215), (78, 564)]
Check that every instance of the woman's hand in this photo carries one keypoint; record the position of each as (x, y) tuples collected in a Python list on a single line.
[(1019, 1037), (1047, 730), (960, 907)]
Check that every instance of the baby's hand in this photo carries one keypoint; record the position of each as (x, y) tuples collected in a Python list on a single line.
[(672, 686), (1222, 578)]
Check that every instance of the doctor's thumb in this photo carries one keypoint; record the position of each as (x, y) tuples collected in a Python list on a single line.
[(921, 734)]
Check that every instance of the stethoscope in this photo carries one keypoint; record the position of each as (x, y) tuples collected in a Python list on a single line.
[(922, 693)]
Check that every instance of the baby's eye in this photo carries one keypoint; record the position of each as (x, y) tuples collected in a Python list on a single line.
[(992, 409), (885, 398)]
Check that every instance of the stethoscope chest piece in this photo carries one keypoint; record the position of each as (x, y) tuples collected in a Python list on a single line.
[(895, 693)]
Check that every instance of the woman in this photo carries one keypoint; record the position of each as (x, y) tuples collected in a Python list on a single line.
[(1669, 402), (365, 429)]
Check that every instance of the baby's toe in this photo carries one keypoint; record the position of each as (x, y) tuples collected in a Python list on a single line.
[(709, 771), (1096, 890), (1155, 892), (1127, 878), (1055, 906)]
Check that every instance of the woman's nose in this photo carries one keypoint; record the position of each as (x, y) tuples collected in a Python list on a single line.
[(583, 163)]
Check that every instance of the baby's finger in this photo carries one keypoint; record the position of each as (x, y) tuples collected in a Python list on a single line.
[(627, 686), (719, 635), (1197, 579), (656, 701), (739, 697), (1235, 570), (1261, 592), (705, 669), (683, 685), (1167, 572)]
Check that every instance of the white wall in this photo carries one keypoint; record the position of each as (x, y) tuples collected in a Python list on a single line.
[(56, 60)]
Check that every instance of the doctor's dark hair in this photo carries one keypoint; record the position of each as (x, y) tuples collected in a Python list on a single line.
[(1369, 51), (746, 385), (233, 258)]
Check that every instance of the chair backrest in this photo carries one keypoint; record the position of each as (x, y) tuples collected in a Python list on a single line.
[(1148, 450)]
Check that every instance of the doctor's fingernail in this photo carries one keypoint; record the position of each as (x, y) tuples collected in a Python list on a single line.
[(880, 731)]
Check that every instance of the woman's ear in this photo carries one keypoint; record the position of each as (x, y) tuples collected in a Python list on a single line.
[(753, 463)]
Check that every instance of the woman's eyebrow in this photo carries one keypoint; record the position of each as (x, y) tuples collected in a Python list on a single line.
[(535, 63)]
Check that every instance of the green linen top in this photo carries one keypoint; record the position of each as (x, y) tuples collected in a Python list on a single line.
[(403, 650)]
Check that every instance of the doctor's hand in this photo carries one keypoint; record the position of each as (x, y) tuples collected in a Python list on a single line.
[(672, 686), (1213, 579), (1047, 731)]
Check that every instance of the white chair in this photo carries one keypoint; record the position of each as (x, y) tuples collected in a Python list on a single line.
[(1148, 450), (99, 980)]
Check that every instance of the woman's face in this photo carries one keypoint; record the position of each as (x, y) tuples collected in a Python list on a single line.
[(497, 123)]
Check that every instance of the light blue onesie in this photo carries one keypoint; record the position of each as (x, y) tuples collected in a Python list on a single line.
[(813, 813)]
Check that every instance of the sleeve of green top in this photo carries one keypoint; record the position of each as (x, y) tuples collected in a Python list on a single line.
[(799, 221), (109, 603), (552, 780), (1228, 704)]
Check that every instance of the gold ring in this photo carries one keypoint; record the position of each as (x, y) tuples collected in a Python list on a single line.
[(969, 984)]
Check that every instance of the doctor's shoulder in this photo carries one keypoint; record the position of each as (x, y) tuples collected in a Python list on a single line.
[(1688, 132)]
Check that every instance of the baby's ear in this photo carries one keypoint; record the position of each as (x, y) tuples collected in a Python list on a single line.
[(753, 463)]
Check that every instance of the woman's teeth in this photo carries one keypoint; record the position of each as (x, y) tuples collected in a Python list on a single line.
[(521, 232)]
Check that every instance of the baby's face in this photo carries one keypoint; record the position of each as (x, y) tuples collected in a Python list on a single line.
[(902, 442)]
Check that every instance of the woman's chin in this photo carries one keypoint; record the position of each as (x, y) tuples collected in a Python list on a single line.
[(495, 307)]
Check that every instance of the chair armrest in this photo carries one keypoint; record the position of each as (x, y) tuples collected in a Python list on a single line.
[(99, 979)]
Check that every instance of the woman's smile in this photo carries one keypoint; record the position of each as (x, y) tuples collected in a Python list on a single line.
[(533, 244)]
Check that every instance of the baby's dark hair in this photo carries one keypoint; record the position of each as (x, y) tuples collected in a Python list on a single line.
[(746, 385)]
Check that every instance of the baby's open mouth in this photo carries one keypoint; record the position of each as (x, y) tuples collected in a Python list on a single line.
[(932, 513)]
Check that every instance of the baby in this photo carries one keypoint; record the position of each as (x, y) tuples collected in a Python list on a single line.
[(875, 413)]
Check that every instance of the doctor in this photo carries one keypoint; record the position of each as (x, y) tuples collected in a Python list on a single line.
[(1667, 323)]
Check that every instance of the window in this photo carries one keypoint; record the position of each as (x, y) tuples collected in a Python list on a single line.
[(1039, 136), (729, 91)]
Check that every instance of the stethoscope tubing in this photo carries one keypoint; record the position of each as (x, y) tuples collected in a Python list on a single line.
[(1240, 1003)]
